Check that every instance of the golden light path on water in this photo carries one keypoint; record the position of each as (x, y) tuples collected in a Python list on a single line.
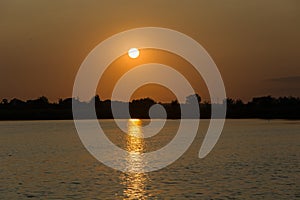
[(135, 183)]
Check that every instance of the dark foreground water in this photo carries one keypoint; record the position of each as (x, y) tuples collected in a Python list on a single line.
[(254, 159)]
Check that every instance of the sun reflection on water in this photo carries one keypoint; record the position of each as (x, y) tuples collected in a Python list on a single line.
[(135, 183)]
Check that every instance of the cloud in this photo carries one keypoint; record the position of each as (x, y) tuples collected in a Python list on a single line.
[(287, 79)]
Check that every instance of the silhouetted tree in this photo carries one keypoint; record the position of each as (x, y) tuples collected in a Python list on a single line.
[(39, 102), (265, 107), (175, 103), (233, 102), (4, 101), (263, 101), (239, 102), (229, 101), (17, 102), (97, 99), (66, 102), (144, 101), (192, 98)]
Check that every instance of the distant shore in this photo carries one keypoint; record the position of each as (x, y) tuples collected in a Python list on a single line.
[(265, 107)]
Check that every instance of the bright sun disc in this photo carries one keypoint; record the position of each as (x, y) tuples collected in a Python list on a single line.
[(133, 53)]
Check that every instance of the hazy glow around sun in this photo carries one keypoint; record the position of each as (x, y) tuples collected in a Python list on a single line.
[(133, 53)]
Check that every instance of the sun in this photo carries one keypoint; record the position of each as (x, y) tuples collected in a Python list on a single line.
[(133, 53)]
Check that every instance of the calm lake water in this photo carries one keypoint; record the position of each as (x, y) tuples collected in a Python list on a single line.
[(254, 159)]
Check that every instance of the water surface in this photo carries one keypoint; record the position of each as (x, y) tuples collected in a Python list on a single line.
[(254, 159)]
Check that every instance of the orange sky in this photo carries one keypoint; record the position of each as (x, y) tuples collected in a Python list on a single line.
[(255, 44)]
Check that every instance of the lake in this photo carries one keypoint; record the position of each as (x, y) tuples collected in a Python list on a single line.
[(253, 159)]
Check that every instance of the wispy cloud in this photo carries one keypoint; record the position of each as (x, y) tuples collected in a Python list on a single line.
[(287, 79)]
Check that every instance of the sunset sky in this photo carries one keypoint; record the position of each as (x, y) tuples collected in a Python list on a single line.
[(255, 44)]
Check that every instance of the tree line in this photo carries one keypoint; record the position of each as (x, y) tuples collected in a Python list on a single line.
[(265, 107)]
